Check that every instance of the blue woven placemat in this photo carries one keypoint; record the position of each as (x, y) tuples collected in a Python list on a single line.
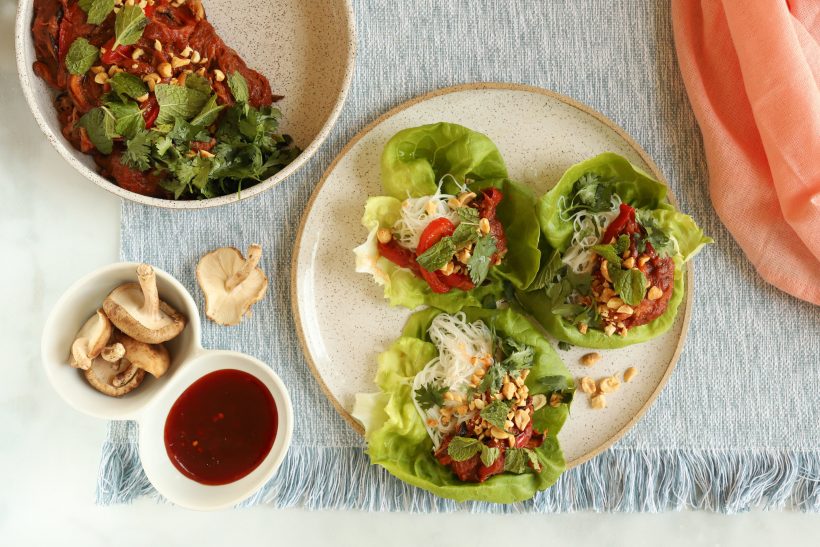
[(738, 425)]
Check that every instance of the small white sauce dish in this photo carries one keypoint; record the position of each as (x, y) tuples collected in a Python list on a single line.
[(151, 402)]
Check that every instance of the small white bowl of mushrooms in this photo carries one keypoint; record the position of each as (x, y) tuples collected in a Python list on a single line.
[(117, 332), (124, 342)]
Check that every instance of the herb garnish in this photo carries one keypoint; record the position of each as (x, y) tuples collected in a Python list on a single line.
[(81, 56), (128, 26), (99, 123), (496, 413), (429, 395), (463, 448), (521, 460), (96, 10)]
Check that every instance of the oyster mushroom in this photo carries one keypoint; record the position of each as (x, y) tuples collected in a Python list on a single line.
[(90, 340), (231, 283), (114, 379), (135, 309), (152, 358)]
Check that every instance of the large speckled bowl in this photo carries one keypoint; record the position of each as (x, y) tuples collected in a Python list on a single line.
[(305, 48)]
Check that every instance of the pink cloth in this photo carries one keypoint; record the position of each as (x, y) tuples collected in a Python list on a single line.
[(752, 71)]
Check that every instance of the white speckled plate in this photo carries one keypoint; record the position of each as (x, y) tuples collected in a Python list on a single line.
[(343, 319), (306, 49)]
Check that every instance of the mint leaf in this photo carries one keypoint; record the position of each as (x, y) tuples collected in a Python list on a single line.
[(547, 272), (127, 86), (515, 461), (437, 256), (631, 286), (238, 87), (610, 254), (178, 102), (99, 124), (128, 118), (463, 448), (198, 83), (489, 455), (464, 234), (81, 56), (533, 459), (96, 10), (208, 114), (496, 413), (128, 26), (137, 153), (429, 395), (479, 263), (468, 215), (622, 244)]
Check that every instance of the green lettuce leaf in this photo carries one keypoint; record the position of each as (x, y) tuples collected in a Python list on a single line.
[(416, 159), (537, 304), (648, 196), (395, 433), (401, 286)]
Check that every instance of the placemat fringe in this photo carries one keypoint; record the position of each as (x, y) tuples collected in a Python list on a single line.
[(622, 480)]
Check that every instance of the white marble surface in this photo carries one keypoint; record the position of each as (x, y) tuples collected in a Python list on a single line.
[(54, 227)]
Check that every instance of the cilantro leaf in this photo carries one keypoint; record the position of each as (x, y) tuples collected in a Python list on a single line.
[(428, 396), (496, 413), (96, 10), (463, 448), (239, 87), (492, 379), (557, 384), (128, 26), (519, 356), (654, 236), (631, 285), (437, 256), (563, 346), (127, 86), (479, 263), (137, 153), (489, 455), (99, 124), (81, 56)]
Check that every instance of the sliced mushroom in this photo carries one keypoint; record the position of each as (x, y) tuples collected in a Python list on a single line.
[(231, 283), (152, 358), (90, 340), (114, 379), (135, 309)]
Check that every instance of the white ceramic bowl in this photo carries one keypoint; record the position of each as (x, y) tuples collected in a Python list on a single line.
[(306, 50), (150, 403)]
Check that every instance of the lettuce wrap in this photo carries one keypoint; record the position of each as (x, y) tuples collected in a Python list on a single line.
[(448, 159), (585, 200), (395, 431)]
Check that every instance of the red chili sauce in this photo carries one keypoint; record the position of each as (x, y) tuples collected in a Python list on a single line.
[(221, 428)]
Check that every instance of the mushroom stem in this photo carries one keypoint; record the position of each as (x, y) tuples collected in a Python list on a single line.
[(113, 353), (254, 254), (148, 284), (79, 351)]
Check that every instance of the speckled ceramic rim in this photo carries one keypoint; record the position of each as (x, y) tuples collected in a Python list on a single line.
[(690, 278), (22, 33)]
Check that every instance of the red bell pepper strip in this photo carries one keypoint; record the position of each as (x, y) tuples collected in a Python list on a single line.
[(458, 281), (399, 256), (435, 231), (120, 55), (621, 222), (150, 112)]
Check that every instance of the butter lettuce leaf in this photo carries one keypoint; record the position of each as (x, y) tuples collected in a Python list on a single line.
[(395, 433), (416, 159), (616, 175)]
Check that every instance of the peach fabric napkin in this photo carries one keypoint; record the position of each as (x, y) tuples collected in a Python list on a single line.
[(752, 72)]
